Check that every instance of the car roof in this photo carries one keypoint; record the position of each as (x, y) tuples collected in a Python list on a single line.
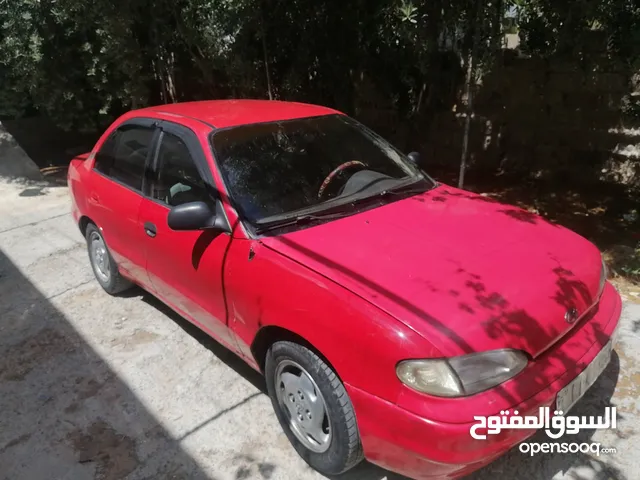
[(230, 113)]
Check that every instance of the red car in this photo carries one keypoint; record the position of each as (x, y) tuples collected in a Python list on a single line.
[(384, 309)]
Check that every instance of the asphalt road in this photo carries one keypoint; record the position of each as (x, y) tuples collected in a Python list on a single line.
[(93, 386)]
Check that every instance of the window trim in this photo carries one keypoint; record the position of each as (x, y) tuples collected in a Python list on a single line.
[(196, 152)]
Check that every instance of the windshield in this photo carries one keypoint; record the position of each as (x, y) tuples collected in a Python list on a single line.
[(280, 169)]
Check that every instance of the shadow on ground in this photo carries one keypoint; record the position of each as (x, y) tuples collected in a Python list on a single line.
[(66, 414)]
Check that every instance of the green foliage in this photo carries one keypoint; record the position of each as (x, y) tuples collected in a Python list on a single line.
[(551, 27), (632, 266), (407, 12), (18, 48), (83, 63)]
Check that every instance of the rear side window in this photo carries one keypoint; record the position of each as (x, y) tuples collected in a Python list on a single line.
[(178, 179), (123, 155)]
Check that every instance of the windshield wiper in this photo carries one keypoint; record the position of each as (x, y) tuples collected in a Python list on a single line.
[(412, 188), (303, 219), (340, 210)]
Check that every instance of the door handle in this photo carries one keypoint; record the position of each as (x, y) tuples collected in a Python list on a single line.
[(150, 229)]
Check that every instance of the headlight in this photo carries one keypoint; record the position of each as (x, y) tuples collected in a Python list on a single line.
[(604, 273), (463, 375)]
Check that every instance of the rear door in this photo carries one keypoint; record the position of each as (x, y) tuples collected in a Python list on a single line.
[(115, 193), (185, 267)]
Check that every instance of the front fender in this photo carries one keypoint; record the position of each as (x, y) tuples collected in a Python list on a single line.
[(361, 342)]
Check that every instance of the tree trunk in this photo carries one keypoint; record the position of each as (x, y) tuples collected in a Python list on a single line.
[(265, 54), (416, 108), (172, 94), (470, 77), (496, 26), (266, 67)]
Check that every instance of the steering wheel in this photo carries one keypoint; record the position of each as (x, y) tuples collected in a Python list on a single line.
[(335, 172)]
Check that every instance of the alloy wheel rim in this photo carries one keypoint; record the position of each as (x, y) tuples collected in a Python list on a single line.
[(99, 257), (303, 405)]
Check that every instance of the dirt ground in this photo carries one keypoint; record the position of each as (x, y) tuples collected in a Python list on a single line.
[(100, 387)]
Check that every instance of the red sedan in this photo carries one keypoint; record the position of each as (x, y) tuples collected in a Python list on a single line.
[(384, 309)]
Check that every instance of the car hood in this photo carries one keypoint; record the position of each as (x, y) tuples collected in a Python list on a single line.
[(467, 273)]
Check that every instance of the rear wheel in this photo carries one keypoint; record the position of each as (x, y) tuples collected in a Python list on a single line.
[(104, 267), (313, 408)]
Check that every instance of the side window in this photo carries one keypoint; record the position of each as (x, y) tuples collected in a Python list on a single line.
[(123, 155), (178, 179), (104, 156)]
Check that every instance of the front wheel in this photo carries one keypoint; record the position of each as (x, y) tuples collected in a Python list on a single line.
[(313, 408)]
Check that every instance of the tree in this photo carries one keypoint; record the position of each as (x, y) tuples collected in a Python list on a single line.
[(83, 63)]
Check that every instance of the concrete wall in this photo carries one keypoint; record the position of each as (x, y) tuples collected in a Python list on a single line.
[(15, 164)]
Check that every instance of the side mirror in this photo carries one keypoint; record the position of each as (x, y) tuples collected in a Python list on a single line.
[(198, 216), (414, 157)]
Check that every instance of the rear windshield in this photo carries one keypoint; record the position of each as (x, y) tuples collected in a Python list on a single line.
[(271, 169)]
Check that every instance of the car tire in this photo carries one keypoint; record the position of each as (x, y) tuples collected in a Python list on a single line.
[(104, 267), (333, 446)]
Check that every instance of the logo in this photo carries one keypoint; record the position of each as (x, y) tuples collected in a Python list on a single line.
[(571, 315)]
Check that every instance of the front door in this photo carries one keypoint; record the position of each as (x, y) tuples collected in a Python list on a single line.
[(185, 267)]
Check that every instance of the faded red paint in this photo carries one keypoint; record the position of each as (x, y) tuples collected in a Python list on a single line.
[(439, 274)]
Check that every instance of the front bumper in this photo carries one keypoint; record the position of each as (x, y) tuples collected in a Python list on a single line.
[(404, 439)]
